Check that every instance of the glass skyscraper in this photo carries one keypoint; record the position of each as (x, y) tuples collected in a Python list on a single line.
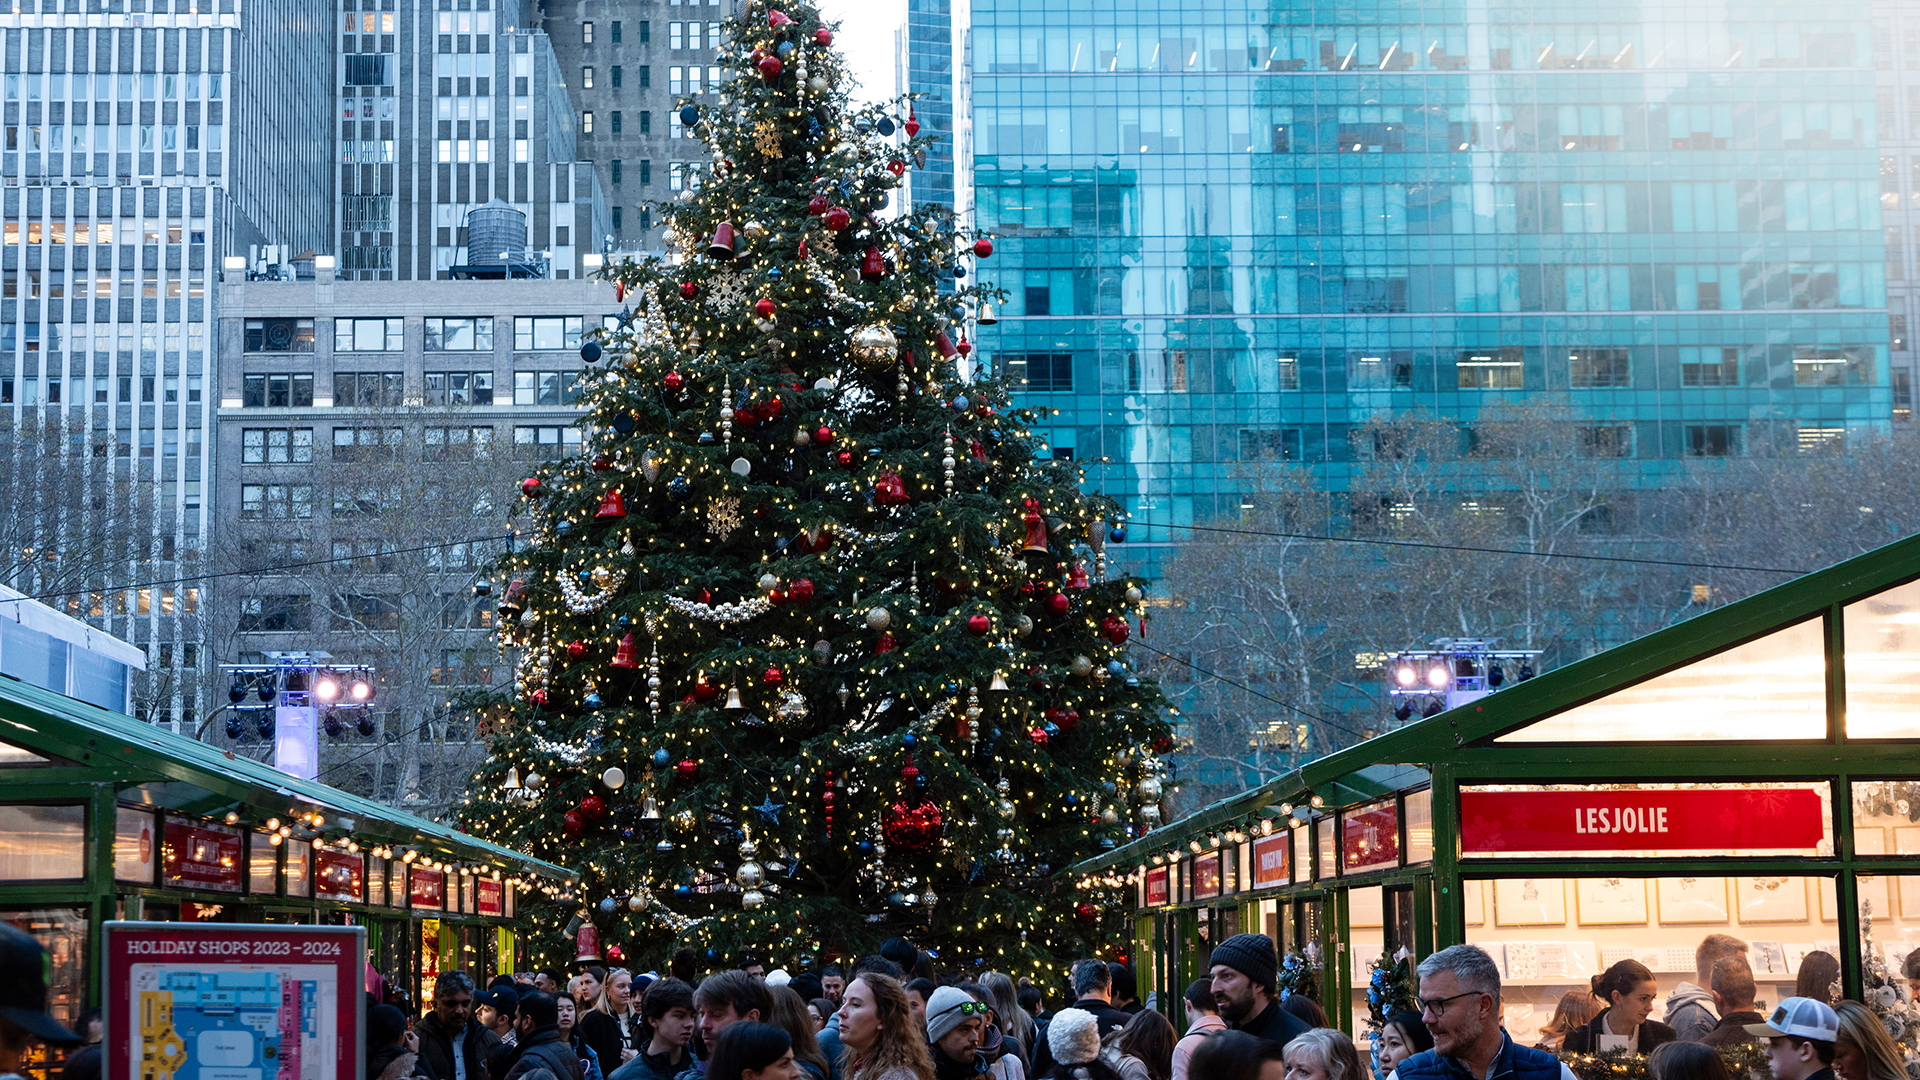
[(1232, 230)]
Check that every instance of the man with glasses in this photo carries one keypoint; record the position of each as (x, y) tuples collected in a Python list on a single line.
[(954, 1023), (1460, 1004), (1245, 970)]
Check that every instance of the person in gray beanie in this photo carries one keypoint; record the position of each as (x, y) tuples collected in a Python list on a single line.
[(1245, 970), (954, 1021)]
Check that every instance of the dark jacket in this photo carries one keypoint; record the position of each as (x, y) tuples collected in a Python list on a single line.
[(391, 1063), (436, 1046), (1514, 1063), (1106, 1018), (542, 1048), (1274, 1024), (657, 1067), (84, 1064), (1586, 1038), (602, 1032), (1732, 1029)]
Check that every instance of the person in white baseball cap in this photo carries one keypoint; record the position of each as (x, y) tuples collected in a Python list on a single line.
[(1800, 1033)]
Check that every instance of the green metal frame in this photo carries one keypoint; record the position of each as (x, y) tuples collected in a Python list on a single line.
[(1456, 748)]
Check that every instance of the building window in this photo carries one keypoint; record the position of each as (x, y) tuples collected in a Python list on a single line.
[(266, 614), (586, 78), (1903, 395), (262, 391), (616, 171), (1277, 444), (586, 33), (279, 335), (1289, 374), (646, 121), (586, 123), (646, 31), (1712, 440), (457, 443), (674, 38), (460, 335), (546, 387), (616, 219), (459, 388), (369, 389), (646, 76), (1709, 367), (616, 121), (1596, 368), (1815, 365), (1389, 369), (646, 172), (365, 443), (615, 28), (1492, 369), (1041, 372), (616, 74), (276, 446), (545, 442), (368, 335), (1897, 333), (276, 502), (1607, 440), (541, 332)]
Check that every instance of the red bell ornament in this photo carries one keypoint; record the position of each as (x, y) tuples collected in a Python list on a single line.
[(771, 67), (602, 464), (619, 291), (722, 246), (872, 266), (944, 344), (587, 945), (913, 124), (1077, 577), (777, 19), (983, 247), (1036, 528), (613, 506), (624, 654)]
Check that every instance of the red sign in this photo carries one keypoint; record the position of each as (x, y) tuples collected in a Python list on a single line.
[(1270, 857), (1206, 876), (1695, 819), (302, 981), (492, 897), (339, 876), (201, 856), (428, 888), (1370, 838), (1157, 887)]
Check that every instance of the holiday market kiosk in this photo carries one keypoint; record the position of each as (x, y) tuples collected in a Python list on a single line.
[(1753, 771), (103, 817)]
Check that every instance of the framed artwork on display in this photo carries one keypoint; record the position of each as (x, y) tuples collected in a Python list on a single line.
[(1909, 889), (1906, 840), (1365, 910), (1771, 899), (1529, 902), (1611, 901), (1693, 900), (1872, 890), (1473, 898), (1869, 840)]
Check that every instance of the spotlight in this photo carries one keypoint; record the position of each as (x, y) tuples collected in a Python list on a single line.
[(237, 693), (1437, 675), (361, 690), (264, 725), (296, 682), (265, 688), (365, 724), (1404, 675), (1496, 675), (331, 723), (1526, 671), (235, 729), (1403, 710), (327, 687), (1434, 707)]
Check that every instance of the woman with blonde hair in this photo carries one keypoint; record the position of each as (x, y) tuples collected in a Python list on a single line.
[(1014, 1021), (1323, 1054), (1864, 1050), (1577, 1008), (876, 1027), (614, 1027)]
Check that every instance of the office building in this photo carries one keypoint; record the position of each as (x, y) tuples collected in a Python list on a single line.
[(1232, 231), (444, 110), (1896, 59), (146, 140)]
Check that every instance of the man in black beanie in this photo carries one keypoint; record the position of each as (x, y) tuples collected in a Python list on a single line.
[(1245, 971)]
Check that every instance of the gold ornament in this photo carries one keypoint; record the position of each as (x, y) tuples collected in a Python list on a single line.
[(875, 346), (723, 516), (766, 139)]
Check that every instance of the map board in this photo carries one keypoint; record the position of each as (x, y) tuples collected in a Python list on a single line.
[(229, 1001)]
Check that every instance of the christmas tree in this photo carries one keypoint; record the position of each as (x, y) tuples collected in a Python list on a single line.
[(815, 644)]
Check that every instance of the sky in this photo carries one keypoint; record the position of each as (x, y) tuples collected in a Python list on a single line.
[(866, 39)]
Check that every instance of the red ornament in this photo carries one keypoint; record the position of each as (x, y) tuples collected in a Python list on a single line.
[(602, 464), (624, 653), (744, 418), (965, 347), (978, 625), (845, 458), (896, 166), (823, 434), (890, 490), (1162, 743), (593, 808), (839, 218), (885, 645), (823, 36), (705, 689), (1036, 528), (777, 596), (800, 591), (704, 596), (1086, 913), (615, 954), (773, 676), (531, 487), (976, 449), (673, 380), (802, 256), (818, 205), (572, 823), (763, 306), (686, 768), (909, 772), (914, 828), (872, 266), (1077, 577), (943, 344), (613, 506), (538, 697), (913, 124), (576, 649), (1039, 736), (619, 291), (1115, 628), (777, 19), (689, 289), (770, 67), (983, 247), (772, 409), (1058, 603), (1069, 719)]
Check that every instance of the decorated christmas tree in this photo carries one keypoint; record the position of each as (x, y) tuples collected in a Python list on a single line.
[(815, 642)]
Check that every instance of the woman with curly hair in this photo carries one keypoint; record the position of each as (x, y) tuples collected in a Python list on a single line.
[(877, 1030)]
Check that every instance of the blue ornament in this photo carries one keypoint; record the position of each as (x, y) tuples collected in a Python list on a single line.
[(773, 274), (785, 49), (679, 488), (886, 125), (909, 740), (661, 757), (866, 847), (959, 271), (1072, 799), (1117, 534), (593, 701), (1115, 668), (590, 352), (706, 438), (960, 403), (1133, 682), (689, 115), (623, 423), (586, 576), (562, 527)]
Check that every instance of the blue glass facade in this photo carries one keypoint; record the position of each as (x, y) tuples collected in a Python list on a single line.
[(1232, 229)]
